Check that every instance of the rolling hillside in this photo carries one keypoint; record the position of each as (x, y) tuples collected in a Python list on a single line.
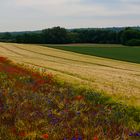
[(118, 79)]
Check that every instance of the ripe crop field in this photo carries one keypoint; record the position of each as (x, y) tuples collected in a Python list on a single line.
[(100, 99), (118, 79)]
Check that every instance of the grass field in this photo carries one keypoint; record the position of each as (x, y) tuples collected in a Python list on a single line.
[(118, 79), (118, 52)]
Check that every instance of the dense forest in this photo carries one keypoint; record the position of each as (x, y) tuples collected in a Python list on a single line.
[(57, 35)]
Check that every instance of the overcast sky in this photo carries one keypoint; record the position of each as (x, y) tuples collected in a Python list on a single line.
[(18, 15)]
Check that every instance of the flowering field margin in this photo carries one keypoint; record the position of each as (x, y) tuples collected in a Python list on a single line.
[(36, 105)]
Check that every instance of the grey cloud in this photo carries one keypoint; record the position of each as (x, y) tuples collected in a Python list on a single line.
[(37, 14)]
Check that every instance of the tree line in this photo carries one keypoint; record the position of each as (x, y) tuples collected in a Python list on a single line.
[(57, 35)]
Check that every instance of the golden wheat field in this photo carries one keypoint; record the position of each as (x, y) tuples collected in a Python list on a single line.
[(119, 79)]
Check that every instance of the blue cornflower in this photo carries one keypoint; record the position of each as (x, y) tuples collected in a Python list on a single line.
[(73, 138), (78, 113), (80, 138)]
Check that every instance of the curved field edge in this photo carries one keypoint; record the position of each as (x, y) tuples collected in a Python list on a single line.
[(117, 52), (91, 101), (133, 113)]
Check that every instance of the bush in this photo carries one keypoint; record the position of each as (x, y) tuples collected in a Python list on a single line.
[(133, 42)]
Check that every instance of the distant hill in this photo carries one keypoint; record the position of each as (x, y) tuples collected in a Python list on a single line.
[(117, 29), (22, 32)]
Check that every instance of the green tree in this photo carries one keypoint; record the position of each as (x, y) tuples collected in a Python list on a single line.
[(56, 35)]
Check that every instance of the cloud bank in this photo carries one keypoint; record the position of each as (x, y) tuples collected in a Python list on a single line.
[(18, 15)]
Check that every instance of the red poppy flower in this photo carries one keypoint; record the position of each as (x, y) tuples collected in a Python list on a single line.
[(76, 134), (95, 138), (45, 136), (22, 134), (14, 131), (110, 108), (3, 59), (79, 97)]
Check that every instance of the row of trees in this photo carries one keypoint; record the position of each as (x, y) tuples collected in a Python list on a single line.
[(58, 35)]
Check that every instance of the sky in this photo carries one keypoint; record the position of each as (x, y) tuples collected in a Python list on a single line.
[(23, 15)]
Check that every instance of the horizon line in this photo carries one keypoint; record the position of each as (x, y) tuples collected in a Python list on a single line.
[(70, 28)]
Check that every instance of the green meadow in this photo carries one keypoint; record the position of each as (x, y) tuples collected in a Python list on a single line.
[(118, 52)]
